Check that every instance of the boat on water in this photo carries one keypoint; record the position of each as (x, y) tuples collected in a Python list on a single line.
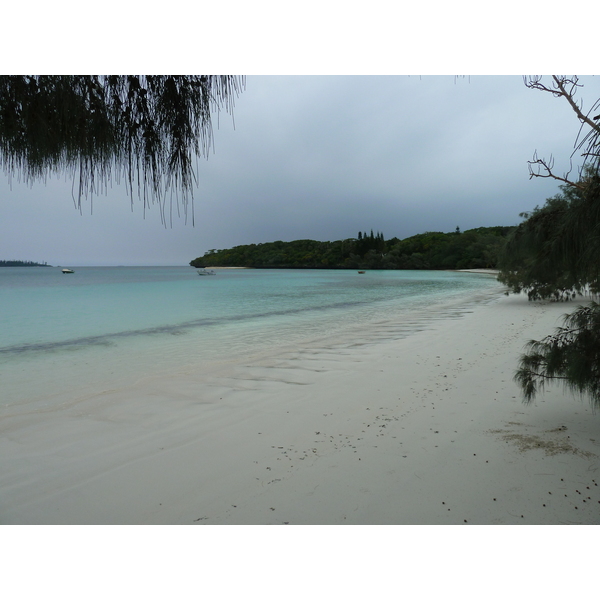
[(205, 272), (361, 272), (65, 271)]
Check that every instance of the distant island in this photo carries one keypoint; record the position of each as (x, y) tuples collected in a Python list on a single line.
[(22, 263), (472, 249)]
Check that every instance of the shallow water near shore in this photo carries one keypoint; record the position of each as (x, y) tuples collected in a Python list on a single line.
[(65, 337)]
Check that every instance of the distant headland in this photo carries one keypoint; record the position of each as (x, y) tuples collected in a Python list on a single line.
[(22, 263), (472, 249)]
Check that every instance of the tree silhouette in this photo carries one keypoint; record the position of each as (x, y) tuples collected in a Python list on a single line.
[(146, 129)]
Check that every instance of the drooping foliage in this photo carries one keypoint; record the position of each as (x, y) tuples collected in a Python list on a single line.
[(147, 129), (554, 254), (571, 356)]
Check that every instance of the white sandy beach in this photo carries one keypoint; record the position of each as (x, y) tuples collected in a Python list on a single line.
[(425, 429)]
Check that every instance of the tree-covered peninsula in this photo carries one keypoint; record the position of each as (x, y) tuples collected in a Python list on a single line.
[(473, 249), (22, 263)]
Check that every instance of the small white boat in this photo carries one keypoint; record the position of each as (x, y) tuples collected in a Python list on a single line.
[(205, 272), (68, 271)]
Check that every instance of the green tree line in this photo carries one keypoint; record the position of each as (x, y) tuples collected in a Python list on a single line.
[(472, 249), (22, 263)]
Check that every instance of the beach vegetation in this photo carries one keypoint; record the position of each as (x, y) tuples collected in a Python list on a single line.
[(146, 130), (553, 254), (571, 356)]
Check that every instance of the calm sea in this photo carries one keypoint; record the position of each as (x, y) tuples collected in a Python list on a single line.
[(102, 327)]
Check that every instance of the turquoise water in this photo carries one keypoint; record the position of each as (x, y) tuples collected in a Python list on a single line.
[(105, 326)]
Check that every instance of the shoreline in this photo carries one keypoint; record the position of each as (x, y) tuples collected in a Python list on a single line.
[(482, 271), (426, 429)]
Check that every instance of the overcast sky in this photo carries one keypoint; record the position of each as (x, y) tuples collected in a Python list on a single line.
[(322, 157)]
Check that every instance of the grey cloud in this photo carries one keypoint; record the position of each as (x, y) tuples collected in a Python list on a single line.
[(322, 157)]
